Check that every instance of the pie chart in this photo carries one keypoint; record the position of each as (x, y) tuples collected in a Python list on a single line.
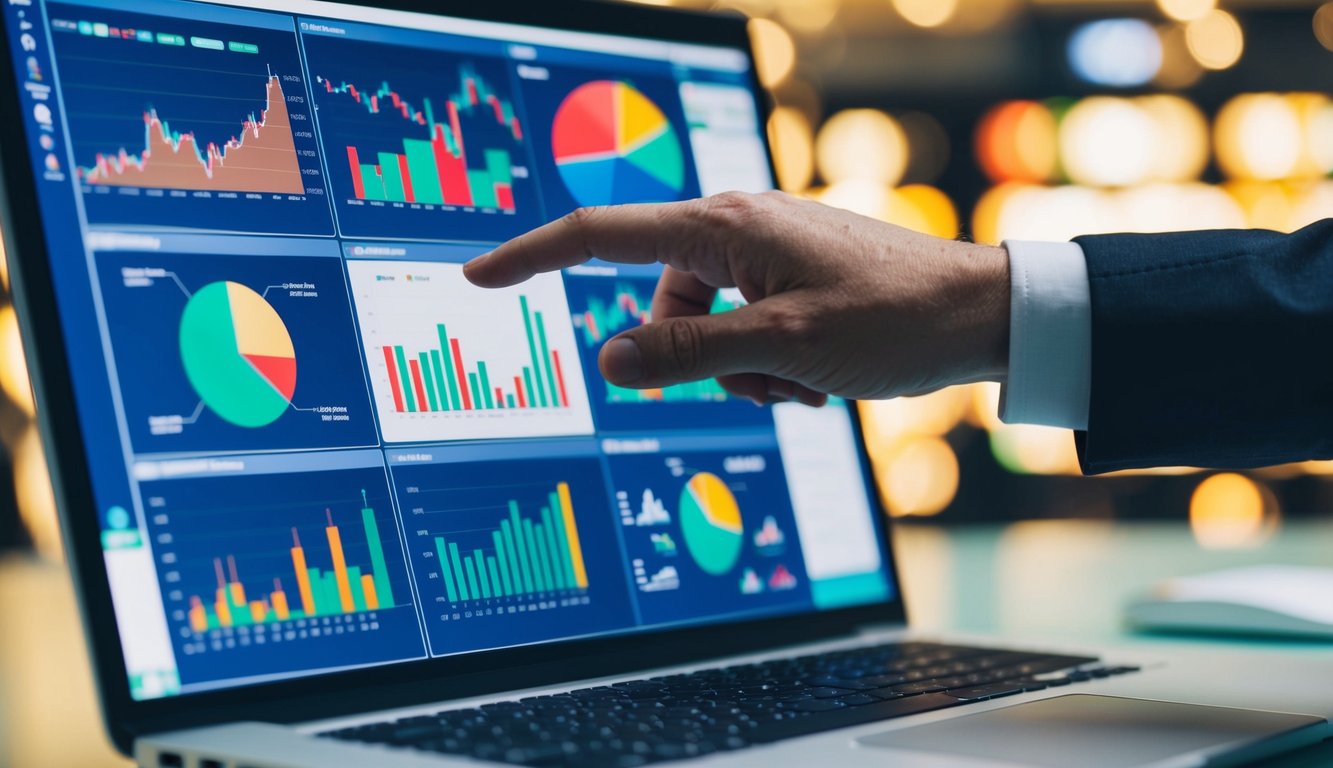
[(614, 146), (710, 520), (238, 354)]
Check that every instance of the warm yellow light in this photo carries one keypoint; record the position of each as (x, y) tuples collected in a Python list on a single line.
[(793, 141), (1030, 450), (1323, 25), (1179, 68), (1216, 40), (1182, 144), (920, 478), (1258, 136), (986, 215), (937, 213), (775, 51), (926, 13), (1266, 204), (1227, 512), (808, 16), (14, 371), (1107, 141), (861, 144), (1314, 111), (1187, 10), (1017, 141), (32, 489), (1316, 204)]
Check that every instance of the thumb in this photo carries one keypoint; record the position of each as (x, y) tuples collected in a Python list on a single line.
[(682, 349)]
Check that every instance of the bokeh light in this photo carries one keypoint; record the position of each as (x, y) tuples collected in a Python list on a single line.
[(864, 144), (1216, 40), (1115, 52), (1323, 25), (1025, 449), (936, 211), (1179, 68), (1181, 142), (1187, 10), (920, 478), (32, 489), (774, 50), (793, 148), (1258, 136), (1017, 141), (808, 16), (1228, 511), (926, 13), (13, 366), (1107, 141)]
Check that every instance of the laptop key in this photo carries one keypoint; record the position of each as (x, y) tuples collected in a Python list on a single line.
[(982, 692)]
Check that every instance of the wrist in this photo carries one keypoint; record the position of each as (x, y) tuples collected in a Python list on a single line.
[(987, 279)]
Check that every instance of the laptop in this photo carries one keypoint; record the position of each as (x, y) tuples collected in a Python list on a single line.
[(327, 504)]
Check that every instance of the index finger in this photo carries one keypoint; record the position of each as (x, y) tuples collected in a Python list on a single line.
[(628, 234)]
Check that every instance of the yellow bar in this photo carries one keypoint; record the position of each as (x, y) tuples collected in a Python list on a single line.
[(340, 569), (222, 608), (258, 610), (368, 588), (198, 616), (280, 605), (238, 593), (303, 581), (572, 531)]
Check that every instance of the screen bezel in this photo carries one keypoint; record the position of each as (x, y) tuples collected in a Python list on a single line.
[(391, 685)]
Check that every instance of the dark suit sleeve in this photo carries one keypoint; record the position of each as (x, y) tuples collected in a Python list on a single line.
[(1210, 349)]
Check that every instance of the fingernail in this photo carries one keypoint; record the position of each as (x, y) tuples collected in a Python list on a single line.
[(622, 361)]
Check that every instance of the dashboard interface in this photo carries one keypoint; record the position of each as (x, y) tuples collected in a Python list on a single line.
[(313, 445)]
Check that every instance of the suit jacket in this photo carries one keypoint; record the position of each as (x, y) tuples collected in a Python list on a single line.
[(1210, 349)]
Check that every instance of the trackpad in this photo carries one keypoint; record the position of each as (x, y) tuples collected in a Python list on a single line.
[(1106, 732)]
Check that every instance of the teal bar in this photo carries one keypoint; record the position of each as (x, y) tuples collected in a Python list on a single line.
[(480, 560), (445, 570), (510, 400), (438, 371), (507, 531), (471, 578), (503, 562), (497, 587), (546, 358), (538, 396), (456, 561), (450, 375), (378, 567), (372, 183), (476, 395), (405, 376), (557, 570), (562, 536), (485, 384), (358, 594), (393, 177), (317, 591), (428, 380), (524, 558), (331, 597), (483, 189), (425, 173), (534, 554), (544, 557), (499, 166)]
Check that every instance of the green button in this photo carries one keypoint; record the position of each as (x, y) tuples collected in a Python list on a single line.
[(166, 39), (242, 48), (101, 30), (85, 27), (207, 42)]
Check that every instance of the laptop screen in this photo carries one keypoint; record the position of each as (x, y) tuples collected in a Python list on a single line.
[(313, 445)]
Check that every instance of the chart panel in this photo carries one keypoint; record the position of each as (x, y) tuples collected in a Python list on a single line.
[(510, 552), (231, 147), (274, 573), (450, 361), (422, 143), (604, 305), (709, 532), (234, 353)]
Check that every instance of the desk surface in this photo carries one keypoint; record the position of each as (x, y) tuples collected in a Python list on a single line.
[(1062, 581)]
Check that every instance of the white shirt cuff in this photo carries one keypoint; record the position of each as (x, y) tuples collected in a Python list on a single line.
[(1050, 336)]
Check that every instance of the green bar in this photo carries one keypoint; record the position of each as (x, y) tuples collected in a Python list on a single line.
[(557, 569), (471, 578), (445, 570), (483, 189), (476, 395), (499, 166), (378, 567), (331, 597), (425, 175), (450, 376), (504, 563), (540, 393), (240, 614), (372, 183), (317, 591), (437, 369), (486, 385), (562, 537), (358, 594), (457, 561), (546, 358), (507, 531), (535, 554), (524, 560), (242, 48), (510, 400), (527, 379), (405, 376), (497, 587), (480, 560), (393, 177), (429, 380), (544, 557)]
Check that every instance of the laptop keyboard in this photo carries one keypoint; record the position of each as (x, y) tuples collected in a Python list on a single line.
[(729, 708)]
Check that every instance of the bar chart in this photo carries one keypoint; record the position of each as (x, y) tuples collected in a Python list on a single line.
[(450, 361)]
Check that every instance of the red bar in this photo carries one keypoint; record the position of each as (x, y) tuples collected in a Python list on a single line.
[(374, 103), (462, 375), (407, 179), (504, 196), (518, 130), (358, 187), (352, 90), (499, 398), (452, 170), (328, 86), (457, 128), (391, 365), (560, 378), (499, 111), (518, 387), (472, 91), (417, 385)]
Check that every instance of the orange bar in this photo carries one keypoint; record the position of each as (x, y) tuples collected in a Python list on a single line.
[(198, 615), (572, 532), (280, 608), (368, 588), (302, 577), (258, 609), (237, 593), (223, 608), (340, 569)]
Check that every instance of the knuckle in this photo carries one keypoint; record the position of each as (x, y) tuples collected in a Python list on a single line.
[(793, 328), (735, 210), (685, 346), (582, 221)]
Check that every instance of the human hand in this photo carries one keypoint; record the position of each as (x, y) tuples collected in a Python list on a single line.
[(839, 304)]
